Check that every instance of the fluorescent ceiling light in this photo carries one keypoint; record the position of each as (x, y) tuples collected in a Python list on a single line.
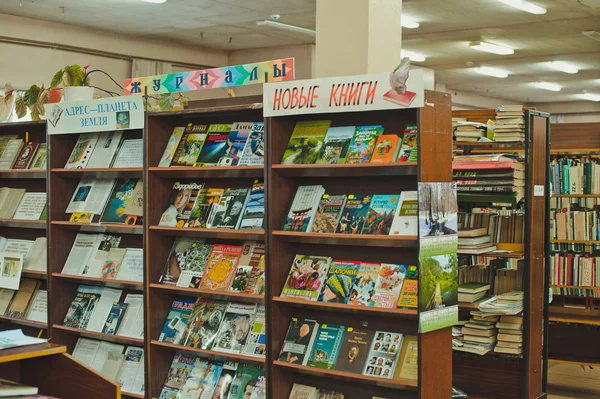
[(590, 96), (495, 72), (408, 23), (563, 67), (491, 48), (415, 57), (525, 6), (291, 28), (154, 1), (547, 86)]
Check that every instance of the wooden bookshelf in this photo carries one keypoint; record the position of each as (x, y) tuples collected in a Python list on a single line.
[(24, 322), (236, 357), (99, 173), (225, 234), (98, 227), (341, 307), (347, 239), (118, 339), (135, 285), (196, 292)]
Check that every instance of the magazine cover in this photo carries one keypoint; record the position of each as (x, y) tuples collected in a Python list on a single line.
[(381, 214), (383, 356), (327, 346), (299, 341), (192, 270), (191, 148), (252, 252), (254, 213), (248, 383), (114, 319), (181, 195), (304, 208), (202, 380), (207, 199), (408, 149), (81, 310), (254, 151), (306, 142), (221, 267), (363, 289), (389, 284), (181, 367), (214, 145), (174, 327), (363, 143), (354, 350), (336, 144), (114, 212), (169, 153), (256, 281), (225, 380), (203, 324), (306, 277), (235, 327), (236, 142), (339, 282), (354, 214), (229, 212), (329, 213), (256, 345), (178, 258)]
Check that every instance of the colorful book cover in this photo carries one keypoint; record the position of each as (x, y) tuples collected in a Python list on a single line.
[(254, 151), (181, 368), (256, 345), (383, 356), (256, 282), (82, 151), (178, 210), (229, 211), (354, 350), (389, 284), (354, 214), (114, 212), (306, 277), (339, 282), (192, 270), (214, 145), (236, 142), (248, 383), (81, 310), (306, 142), (113, 262), (221, 267), (252, 252), (225, 380), (363, 143), (336, 144), (329, 213), (386, 149), (114, 319), (299, 341), (406, 217), (182, 251), (202, 380), (409, 295), (381, 214), (171, 147), (327, 346), (235, 327), (304, 208), (207, 199), (408, 150), (363, 289), (191, 149), (203, 324), (253, 215), (174, 327)]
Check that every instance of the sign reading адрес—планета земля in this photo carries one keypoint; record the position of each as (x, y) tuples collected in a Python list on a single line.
[(104, 114), (342, 94)]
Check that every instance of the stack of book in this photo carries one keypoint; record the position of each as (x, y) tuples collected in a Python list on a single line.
[(472, 292), (510, 123), (503, 226), (474, 241), (469, 131), (510, 335), (509, 303), (479, 334), (570, 175)]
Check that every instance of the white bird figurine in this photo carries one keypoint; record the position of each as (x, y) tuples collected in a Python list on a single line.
[(399, 77)]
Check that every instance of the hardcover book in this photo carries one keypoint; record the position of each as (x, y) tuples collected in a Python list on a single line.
[(248, 268), (306, 142), (304, 208), (339, 282), (203, 324), (299, 341), (9, 155), (408, 149), (254, 151), (214, 145), (381, 214), (256, 344), (328, 213), (174, 328), (386, 149), (336, 144), (236, 142), (409, 295), (406, 216), (208, 198), (181, 368), (306, 277), (363, 289), (39, 159), (179, 209), (383, 356), (354, 350), (354, 214), (114, 319), (221, 267), (189, 145), (235, 327), (408, 361), (254, 213), (388, 286), (114, 212), (25, 156), (171, 147), (363, 143), (228, 212), (82, 151), (327, 346)]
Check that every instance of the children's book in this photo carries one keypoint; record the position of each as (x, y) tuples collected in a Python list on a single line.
[(228, 213), (299, 341), (363, 289), (171, 147), (381, 214), (386, 149), (328, 213), (363, 143), (388, 286), (327, 346), (203, 324), (174, 327), (221, 267), (114, 212), (406, 216), (336, 144), (182, 200), (306, 142), (207, 199), (254, 151), (252, 253), (114, 319), (254, 213), (408, 150), (354, 350), (339, 282), (214, 145), (304, 208), (256, 345), (248, 383), (383, 355), (236, 142), (354, 214), (235, 327), (181, 368), (306, 277)]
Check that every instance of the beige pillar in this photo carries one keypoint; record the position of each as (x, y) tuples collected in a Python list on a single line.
[(357, 37)]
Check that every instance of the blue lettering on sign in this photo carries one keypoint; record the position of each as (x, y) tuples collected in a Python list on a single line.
[(94, 121), (136, 87)]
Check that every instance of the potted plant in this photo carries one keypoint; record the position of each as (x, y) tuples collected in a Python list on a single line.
[(75, 82)]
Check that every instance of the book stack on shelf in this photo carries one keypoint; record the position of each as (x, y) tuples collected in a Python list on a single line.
[(472, 292), (510, 335), (469, 132), (478, 335), (475, 241), (510, 124)]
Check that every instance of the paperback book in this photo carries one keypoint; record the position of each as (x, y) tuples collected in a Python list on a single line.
[(174, 328), (171, 147), (381, 214), (194, 140), (363, 143), (248, 268), (221, 266), (306, 142), (181, 368), (408, 150), (114, 319), (386, 149), (214, 145), (363, 289), (327, 346), (178, 209), (306, 277), (254, 213), (354, 350), (388, 286), (256, 345), (354, 214), (236, 142), (208, 198), (235, 327), (339, 282), (254, 151), (248, 383), (328, 213), (336, 144), (114, 212), (177, 262), (304, 208), (383, 356), (299, 341), (405, 221), (228, 212)]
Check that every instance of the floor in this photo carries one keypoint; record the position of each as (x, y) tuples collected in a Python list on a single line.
[(568, 381)]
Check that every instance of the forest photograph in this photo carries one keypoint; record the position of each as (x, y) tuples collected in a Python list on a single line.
[(437, 209), (439, 282)]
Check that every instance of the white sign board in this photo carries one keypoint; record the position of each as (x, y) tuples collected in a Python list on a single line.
[(104, 114), (342, 94)]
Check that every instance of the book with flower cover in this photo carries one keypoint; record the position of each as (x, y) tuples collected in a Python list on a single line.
[(174, 326), (328, 213), (203, 324), (339, 282), (254, 151), (381, 214), (252, 253), (207, 199), (327, 346), (363, 143), (221, 266), (306, 277), (363, 289), (354, 215), (388, 286)]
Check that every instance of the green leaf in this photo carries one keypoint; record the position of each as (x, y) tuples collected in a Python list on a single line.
[(20, 107), (31, 95), (73, 76), (166, 102), (37, 110), (57, 79), (44, 98)]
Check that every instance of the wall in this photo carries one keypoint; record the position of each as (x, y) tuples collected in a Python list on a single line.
[(573, 112)]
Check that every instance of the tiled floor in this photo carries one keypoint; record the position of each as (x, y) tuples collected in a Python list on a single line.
[(568, 381)]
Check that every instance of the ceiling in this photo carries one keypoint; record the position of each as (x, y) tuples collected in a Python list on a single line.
[(447, 27)]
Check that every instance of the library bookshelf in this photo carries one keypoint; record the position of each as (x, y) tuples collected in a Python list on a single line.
[(32, 181), (502, 375), (574, 313)]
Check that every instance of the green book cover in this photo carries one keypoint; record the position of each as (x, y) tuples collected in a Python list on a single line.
[(306, 142), (327, 346), (363, 143)]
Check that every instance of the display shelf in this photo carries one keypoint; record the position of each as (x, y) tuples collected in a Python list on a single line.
[(574, 360), (118, 339), (227, 234), (341, 307), (23, 174), (26, 224), (576, 195), (100, 173), (99, 227), (575, 318), (348, 239), (135, 285), (24, 322), (575, 286), (131, 395), (42, 275), (238, 296), (30, 351), (574, 242), (208, 353), (221, 172), (344, 170)]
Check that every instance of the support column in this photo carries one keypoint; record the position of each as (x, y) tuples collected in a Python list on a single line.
[(357, 37)]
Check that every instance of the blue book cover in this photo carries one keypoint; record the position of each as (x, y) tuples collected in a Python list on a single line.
[(354, 214), (115, 317), (203, 379), (254, 151), (381, 214), (236, 142), (176, 321), (327, 346), (119, 198), (340, 279)]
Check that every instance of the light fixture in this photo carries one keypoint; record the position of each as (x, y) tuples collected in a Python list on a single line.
[(495, 72), (525, 6), (491, 48), (547, 86), (154, 1), (291, 28), (415, 57), (563, 67), (590, 96), (409, 23)]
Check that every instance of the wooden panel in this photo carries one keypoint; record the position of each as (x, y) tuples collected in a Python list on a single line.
[(575, 135), (574, 341), (32, 351), (435, 138), (435, 364), (476, 115), (491, 377)]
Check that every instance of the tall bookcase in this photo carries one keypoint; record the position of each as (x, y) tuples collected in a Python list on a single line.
[(32, 181), (506, 376), (575, 315)]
